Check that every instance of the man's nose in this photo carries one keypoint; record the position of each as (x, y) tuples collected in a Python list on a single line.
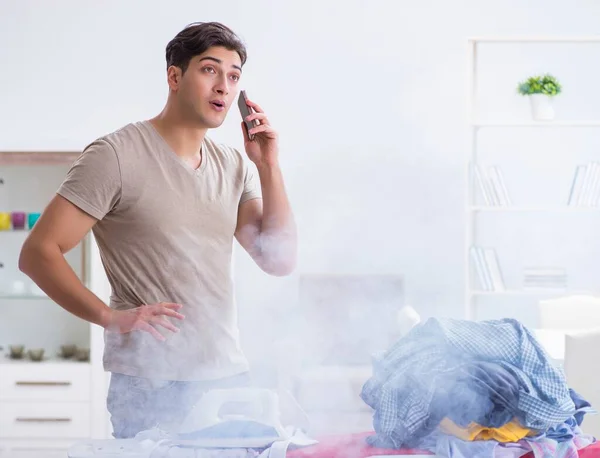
[(222, 88)]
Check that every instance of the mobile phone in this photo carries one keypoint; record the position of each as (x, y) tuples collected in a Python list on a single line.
[(245, 110)]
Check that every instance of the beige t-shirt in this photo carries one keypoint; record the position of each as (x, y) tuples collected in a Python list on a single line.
[(165, 233)]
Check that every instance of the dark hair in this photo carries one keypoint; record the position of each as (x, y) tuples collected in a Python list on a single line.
[(196, 38)]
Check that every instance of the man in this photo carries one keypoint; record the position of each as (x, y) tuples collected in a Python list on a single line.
[(164, 202)]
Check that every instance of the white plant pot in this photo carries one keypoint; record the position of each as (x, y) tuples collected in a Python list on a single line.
[(541, 107)]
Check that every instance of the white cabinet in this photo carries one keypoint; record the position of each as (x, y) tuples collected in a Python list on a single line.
[(55, 381), (34, 451), (44, 405), (48, 420)]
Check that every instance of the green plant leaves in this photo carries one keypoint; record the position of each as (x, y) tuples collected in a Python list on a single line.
[(541, 84)]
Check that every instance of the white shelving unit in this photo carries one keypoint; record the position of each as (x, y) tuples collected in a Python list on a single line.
[(473, 210), (547, 124), (45, 405)]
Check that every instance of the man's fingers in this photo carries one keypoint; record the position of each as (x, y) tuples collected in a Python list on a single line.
[(171, 313), (165, 324), (256, 107), (261, 128), (144, 326), (260, 116), (171, 305), (169, 309)]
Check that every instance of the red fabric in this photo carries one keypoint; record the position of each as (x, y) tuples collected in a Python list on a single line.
[(355, 446)]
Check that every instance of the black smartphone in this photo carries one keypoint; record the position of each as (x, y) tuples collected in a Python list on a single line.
[(245, 110)]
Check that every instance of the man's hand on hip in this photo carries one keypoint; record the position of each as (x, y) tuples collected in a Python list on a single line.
[(145, 318)]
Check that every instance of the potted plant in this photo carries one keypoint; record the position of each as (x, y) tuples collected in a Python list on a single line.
[(540, 90)]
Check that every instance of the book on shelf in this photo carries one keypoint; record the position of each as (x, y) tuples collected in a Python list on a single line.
[(545, 278), (491, 185), (487, 268), (585, 187)]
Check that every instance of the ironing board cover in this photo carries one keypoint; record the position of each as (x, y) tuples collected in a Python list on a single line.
[(355, 446)]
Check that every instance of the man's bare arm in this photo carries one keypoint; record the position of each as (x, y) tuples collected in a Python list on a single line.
[(59, 229), (266, 227)]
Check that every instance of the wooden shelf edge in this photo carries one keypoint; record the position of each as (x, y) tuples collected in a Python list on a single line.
[(535, 39), (48, 361), (38, 157)]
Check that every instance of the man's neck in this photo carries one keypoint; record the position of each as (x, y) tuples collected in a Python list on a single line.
[(184, 138)]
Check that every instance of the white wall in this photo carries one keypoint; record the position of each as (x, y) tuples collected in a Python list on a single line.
[(369, 99)]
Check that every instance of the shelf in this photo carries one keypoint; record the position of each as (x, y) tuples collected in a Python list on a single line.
[(576, 123), (481, 265), (24, 297), (530, 292), (540, 39), (27, 362), (38, 157), (557, 209)]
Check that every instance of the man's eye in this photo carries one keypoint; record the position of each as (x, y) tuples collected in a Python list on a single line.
[(209, 69), (235, 77)]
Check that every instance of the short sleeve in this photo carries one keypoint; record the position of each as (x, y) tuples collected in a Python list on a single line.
[(251, 184), (93, 183)]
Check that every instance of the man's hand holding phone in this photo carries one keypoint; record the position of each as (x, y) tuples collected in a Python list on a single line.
[(260, 139)]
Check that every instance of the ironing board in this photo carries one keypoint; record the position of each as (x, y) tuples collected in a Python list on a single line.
[(355, 446)]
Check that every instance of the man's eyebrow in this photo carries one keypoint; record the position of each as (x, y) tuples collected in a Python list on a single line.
[(219, 61)]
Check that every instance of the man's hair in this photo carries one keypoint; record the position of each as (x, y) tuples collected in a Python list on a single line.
[(196, 38)]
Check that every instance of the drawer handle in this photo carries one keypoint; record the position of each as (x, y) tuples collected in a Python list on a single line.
[(42, 383), (43, 420)]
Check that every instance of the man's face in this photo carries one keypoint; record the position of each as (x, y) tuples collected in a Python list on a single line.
[(209, 86)]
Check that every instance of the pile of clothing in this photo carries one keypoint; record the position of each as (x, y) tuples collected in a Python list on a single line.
[(468, 389)]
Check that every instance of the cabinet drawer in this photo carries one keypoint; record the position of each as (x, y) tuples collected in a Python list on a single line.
[(33, 451), (45, 382), (44, 420), (38, 448)]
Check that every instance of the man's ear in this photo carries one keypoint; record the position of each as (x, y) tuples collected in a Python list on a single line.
[(174, 77)]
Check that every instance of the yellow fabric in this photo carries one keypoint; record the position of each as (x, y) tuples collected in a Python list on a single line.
[(510, 432)]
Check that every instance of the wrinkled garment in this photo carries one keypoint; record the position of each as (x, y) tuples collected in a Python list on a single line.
[(542, 447), (510, 432), (563, 441), (232, 429), (411, 389), (481, 392)]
